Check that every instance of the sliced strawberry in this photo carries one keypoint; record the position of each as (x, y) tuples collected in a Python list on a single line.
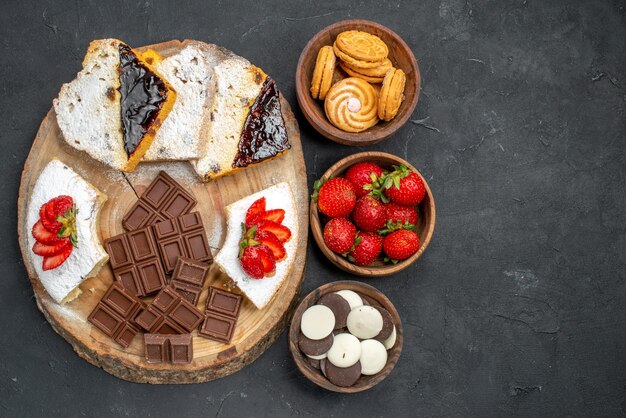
[(282, 232), (44, 236), (62, 204), (50, 250), (257, 207), (270, 241), (46, 215), (275, 215), (251, 262), (267, 258), (55, 261)]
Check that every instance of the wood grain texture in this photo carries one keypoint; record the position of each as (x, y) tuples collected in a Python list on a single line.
[(400, 55), (425, 227), (256, 329), (375, 298)]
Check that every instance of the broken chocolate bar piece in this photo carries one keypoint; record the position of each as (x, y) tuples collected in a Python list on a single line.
[(135, 261), (177, 349), (156, 348), (181, 348), (223, 302), (163, 199), (116, 314), (188, 278), (218, 327), (169, 313)]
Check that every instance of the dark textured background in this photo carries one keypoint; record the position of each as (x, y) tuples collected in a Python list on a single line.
[(517, 307)]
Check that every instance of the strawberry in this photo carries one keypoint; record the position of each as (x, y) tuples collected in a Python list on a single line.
[(270, 241), (404, 187), (275, 215), (282, 232), (49, 250), (251, 263), (267, 258), (54, 208), (54, 261), (44, 236), (335, 197), (255, 208), (362, 176), (367, 247), (339, 235), (399, 213), (401, 244), (369, 214)]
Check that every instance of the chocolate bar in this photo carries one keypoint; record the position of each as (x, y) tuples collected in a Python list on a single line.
[(183, 236), (136, 262), (163, 199), (116, 313), (169, 313), (188, 278), (222, 312), (177, 349)]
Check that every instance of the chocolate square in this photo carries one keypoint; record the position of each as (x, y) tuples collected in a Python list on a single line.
[(179, 204), (218, 327), (130, 280), (226, 303), (166, 229), (126, 334), (137, 217), (181, 348), (141, 244), (166, 326), (186, 315), (121, 302), (158, 191), (198, 246), (151, 276), (105, 319), (148, 318), (119, 252), (165, 300), (156, 348), (190, 293), (190, 271), (190, 221), (170, 250)]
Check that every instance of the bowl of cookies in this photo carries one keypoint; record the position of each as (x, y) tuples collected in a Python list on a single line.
[(357, 82), (346, 336)]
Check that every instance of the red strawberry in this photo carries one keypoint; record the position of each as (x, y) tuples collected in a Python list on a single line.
[(266, 257), (49, 250), (335, 198), (401, 244), (399, 213), (270, 241), (404, 187), (362, 175), (257, 207), (282, 232), (44, 236), (52, 262), (276, 215), (251, 262), (339, 235), (367, 247), (50, 212), (369, 214)]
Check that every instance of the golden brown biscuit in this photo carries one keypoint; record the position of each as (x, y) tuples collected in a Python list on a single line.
[(377, 72), (362, 46), (353, 73), (391, 94), (354, 63), (351, 105), (323, 72)]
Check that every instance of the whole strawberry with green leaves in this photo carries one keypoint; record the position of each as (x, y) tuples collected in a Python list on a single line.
[(403, 186), (335, 197)]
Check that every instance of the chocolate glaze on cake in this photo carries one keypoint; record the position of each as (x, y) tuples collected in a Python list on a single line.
[(264, 134), (143, 95)]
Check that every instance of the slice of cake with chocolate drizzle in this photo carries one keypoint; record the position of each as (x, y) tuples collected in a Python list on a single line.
[(115, 105), (246, 124)]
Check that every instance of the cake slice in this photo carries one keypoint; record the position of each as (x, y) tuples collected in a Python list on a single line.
[(114, 107), (63, 214), (182, 135), (278, 219), (246, 124)]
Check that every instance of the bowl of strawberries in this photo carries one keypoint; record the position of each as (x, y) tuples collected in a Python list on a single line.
[(372, 214)]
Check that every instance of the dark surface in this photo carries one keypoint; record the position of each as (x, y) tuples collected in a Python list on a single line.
[(518, 305)]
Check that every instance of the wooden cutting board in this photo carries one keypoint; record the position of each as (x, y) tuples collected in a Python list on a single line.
[(256, 329)]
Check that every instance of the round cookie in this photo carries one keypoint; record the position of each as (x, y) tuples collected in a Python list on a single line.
[(323, 72), (346, 350), (388, 325), (320, 357), (342, 376), (352, 297), (362, 45), (352, 73), (351, 105), (317, 322), (391, 341), (377, 72), (314, 347), (391, 94), (354, 63), (373, 357), (365, 322), (339, 306)]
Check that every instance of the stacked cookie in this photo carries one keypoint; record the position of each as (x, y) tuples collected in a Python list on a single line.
[(355, 103), (345, 337)]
